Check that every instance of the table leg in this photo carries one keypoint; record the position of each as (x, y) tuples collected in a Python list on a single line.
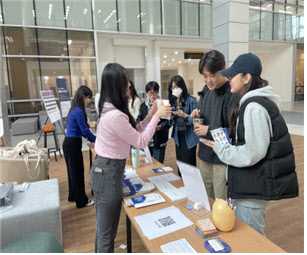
[(128, 232)]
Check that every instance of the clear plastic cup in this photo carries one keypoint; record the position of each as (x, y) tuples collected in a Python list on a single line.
[(198, 121)]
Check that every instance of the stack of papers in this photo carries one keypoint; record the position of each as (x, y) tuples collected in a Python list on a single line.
[(162, 222), (168, 189), (170, 177), (133, 184), (179, 246), (205, 228), (145, 200)]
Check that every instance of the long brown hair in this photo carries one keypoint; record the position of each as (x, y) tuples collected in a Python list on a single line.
[(255, 82)]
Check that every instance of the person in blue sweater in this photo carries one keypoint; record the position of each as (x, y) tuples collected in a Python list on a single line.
[(183, 129), (76, 128)]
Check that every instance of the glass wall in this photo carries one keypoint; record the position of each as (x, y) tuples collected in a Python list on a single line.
[(171, 17), (129, 16), (189, 14), (49, 13), (18, 12), (299, 73), (35, 57), (78, 14), (151, 17), (205, 18), (276, 20)]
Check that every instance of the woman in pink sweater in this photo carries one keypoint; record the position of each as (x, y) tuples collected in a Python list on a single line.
[(116, 132)]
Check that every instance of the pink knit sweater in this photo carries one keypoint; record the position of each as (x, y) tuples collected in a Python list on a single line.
[(115, 134)]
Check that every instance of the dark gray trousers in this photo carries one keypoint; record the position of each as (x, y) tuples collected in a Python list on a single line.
[(106, 179)]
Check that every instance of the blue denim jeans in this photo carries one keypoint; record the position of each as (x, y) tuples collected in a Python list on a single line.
[(106, 178), (158, 154)]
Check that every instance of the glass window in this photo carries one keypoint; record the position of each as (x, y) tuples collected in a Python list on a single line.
[(291, 10), (18, 12), (24, 78), (205, 20), (20, 41), (279, 26), (300, 2), (5, 76), (267, 6), (1, 18), (51, 69), (300, 11), (83, 72), (129, 16), (78, 14), (105, 15), (280, 1), (266, 26), (50, 13), (151, 16), (300, 29), (81, 43), (291, 27), (279, 8), (291, 2), (171, 17), (254, 3), (254, 25), (52, 42), (189, 18), (2, 41)]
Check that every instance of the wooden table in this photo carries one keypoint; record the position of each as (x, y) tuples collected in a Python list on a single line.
[(242, 239)]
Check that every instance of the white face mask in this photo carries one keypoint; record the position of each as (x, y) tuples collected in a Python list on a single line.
[(176, 92)]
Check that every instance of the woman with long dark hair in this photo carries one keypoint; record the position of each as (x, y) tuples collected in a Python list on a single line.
[(116, 132), (134, 101), (72, 146), (261, 164), (183, 129)]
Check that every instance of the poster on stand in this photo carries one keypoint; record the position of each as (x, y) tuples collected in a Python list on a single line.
[(64, 98), (51, 106)]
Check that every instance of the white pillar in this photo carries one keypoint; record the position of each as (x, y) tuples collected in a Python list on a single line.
[(231, 28)]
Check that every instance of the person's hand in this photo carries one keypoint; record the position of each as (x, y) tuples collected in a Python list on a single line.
[(181, 114), (164, 111), (209, 144), (200, 130), (152, 112), (158, 128), (195, 113)]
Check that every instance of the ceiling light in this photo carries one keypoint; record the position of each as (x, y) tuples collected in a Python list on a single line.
[(176, 52), (165, 56), (169, 64), (173, 59), (189, 59), (164, 61), (179, 61)]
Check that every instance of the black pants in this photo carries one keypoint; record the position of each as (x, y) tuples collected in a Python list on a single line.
[(72, 148), (183, 153)]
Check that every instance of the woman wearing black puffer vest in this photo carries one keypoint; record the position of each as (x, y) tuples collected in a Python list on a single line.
[(261, 164)]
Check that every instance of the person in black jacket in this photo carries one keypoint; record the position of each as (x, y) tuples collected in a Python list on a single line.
[(157, 144), (261, 164), (214, 106)]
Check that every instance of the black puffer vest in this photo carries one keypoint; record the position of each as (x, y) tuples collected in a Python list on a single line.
[(273, 177)]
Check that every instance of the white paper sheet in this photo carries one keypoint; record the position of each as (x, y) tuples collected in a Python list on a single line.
[(194, 185), (170, 177), (168, 189), (179, 246), (162, 222)]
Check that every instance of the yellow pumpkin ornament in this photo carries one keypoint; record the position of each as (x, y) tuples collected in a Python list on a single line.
[(223, 216)]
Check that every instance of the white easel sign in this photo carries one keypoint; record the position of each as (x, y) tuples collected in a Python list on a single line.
[(51, 106)]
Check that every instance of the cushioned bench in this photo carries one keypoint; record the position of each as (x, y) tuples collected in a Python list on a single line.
[(35, 210), (25, 126), (38, 242)]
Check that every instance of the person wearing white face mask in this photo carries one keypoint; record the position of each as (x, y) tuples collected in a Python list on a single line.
[(183, 129)]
